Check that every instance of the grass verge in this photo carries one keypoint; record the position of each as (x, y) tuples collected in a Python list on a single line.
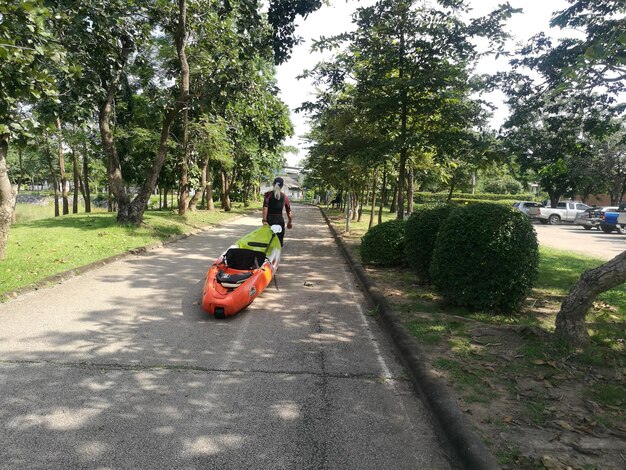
[(536, 403), (43, 247)]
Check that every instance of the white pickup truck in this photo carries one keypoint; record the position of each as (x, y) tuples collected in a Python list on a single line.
[(564, 212)]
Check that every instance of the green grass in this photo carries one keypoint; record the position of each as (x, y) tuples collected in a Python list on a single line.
[(484, 368), (428, 332), (47, 246), (28, 212), (466, 380), (608, 394), (559, 271), (357, 229), (536, 410)]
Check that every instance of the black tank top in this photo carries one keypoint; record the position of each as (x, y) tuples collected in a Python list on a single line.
[(275, 206)]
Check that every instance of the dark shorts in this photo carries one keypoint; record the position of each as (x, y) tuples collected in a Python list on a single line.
[(277, 220)]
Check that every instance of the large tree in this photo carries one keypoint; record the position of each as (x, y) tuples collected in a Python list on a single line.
[(26, 49), (598, 60), (249, 23)]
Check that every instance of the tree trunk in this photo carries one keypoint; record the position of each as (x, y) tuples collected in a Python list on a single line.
[(246, 195), (554, 198), (86, 191), (193, 202), (410, 191), (225, 196), (53, 176), (209, 188), (19, 182), (373, 211), (184, 171), (452, 183), (570, 321), (116, 186), (76, 175), (360, 203), (394, 199), (403, 131), (383, 196), (62, 174), (7, 195)]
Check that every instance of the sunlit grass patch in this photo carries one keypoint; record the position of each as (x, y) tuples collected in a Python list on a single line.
[(560, 270), (45, 247), (428, 332), (469, 382)]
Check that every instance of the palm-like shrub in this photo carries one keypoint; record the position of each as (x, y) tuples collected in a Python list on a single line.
[(485, 257)]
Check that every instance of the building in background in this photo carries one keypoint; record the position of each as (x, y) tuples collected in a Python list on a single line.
[(292, 186)]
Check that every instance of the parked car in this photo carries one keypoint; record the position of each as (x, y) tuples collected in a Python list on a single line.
[(592, 216), (565, 211), (614, 221), (523, 206)]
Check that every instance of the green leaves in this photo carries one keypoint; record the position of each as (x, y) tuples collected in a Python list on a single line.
[(595, 51), (401, 85), (596, 60), (29, 57)]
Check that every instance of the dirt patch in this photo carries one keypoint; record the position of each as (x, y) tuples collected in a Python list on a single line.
[(534, 405)]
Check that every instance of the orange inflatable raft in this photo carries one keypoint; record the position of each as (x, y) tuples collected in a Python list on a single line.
[(242, 272)]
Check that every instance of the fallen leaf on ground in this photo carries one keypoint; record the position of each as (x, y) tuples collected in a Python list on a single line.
[(551, 463), (565, 425)]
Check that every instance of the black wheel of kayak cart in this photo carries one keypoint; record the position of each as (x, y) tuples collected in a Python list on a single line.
[(219, 313)]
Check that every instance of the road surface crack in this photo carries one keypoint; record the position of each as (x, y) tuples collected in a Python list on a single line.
[(192, 368)]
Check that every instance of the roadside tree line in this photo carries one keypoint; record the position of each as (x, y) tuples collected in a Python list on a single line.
[(400, 102), (401, 109), (179, 94)]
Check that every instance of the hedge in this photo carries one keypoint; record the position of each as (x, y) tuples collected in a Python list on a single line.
[(485, 257), (383, 244), (420, 235), (442, 197)]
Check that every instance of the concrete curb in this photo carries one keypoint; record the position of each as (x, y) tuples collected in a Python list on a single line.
[(70, 273), (453, 425)]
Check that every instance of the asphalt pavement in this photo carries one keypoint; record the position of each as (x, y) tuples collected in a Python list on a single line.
[(574, 238), (120, 368)]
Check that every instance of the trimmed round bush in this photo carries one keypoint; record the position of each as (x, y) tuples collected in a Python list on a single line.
[(421, 232), (485, 257), (383, 244)]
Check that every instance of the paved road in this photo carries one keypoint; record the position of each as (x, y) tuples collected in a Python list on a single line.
[(119, 368), (593, 243)]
